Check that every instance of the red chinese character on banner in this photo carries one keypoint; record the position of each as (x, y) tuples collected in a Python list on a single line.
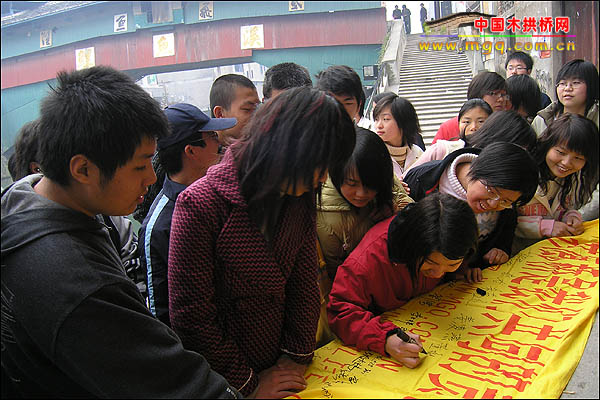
[(513, 25), (529, 24), (562, 24), (481, 24), (546, 24), (497, 24)]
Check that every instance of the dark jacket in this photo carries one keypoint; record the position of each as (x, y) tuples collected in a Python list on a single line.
[(73, 324), (154, 247), (424, 179)]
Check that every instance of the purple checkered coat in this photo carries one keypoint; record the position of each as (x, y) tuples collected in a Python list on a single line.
[(232, 299)]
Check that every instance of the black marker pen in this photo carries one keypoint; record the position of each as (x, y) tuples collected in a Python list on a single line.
[(405, 338)]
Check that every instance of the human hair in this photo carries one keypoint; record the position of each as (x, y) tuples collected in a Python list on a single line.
[(507, 166), (98, 112), (372, 163), (520, 56), (484, 82), (341, 79), (26, 150), (474, 103), (577, 134), (379, 96), (285, 76), (142, 209), (11, 165), (524, 91), (585, 71), (503, 126), (222, 92), (404, 114), (294, 135), (438, 222)]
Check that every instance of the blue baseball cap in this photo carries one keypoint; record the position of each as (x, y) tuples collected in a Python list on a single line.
[(186, 120)]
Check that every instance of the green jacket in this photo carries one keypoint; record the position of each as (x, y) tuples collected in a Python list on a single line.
[(340, 228)]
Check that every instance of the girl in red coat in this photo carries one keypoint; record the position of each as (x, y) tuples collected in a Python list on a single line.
[(242, 255), (399, 258)]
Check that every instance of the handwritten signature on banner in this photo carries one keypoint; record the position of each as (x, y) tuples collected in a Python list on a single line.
[(522, 338)]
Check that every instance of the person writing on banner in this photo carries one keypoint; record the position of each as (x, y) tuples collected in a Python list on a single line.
[(357, 195), (398, 259), (242, 253)]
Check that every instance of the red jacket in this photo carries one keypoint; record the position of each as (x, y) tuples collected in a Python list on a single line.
[(366, 285), (449, 130), (232, 298)]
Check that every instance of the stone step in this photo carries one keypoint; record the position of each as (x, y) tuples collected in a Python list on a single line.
[(415, 96), (434, 85), (445, 72), (436, 81), (437, 101), (441, 113), (430, 66), (437, 108), (432, 58)]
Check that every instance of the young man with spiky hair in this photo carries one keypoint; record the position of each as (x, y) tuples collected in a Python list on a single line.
[(232, 96), (73, 323), (284, 76)]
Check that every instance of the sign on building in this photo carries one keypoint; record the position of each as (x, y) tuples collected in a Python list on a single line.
[(295, 5), (252, 37), (206, 10), (163, 45), (85, 58), (120, 24), (45, 38)]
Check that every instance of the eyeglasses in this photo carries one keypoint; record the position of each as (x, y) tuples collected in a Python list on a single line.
[(564, 84), (510, 68), (495, 196), (497, 94), (207, 135)]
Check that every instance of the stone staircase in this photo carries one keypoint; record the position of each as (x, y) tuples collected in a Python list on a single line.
[(435, 82)]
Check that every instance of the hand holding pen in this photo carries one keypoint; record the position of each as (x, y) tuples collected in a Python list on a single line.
[(404, 347), (405, 338)]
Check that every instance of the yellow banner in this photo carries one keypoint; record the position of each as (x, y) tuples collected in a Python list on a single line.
[(523, 338)]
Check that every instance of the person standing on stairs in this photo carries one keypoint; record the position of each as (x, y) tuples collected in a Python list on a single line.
[(406, 18), (423, 16)]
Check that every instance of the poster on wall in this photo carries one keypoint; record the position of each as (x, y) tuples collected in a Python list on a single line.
[(85, 58), (205, 10), (252, 37), (163, 45), (120, 23), (45, 38)]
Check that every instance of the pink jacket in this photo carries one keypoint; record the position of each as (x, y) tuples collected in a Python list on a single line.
[(366, 285)]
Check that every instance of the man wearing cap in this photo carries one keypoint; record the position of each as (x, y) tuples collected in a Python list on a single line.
[(185, 155)]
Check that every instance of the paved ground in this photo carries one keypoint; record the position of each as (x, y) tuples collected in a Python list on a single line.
[(584, 382)]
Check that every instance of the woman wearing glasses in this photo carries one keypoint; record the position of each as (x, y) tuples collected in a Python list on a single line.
[(577, 93), (491, 181), (486, 85)]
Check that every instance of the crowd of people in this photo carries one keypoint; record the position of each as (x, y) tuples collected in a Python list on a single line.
[(268, 228)]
